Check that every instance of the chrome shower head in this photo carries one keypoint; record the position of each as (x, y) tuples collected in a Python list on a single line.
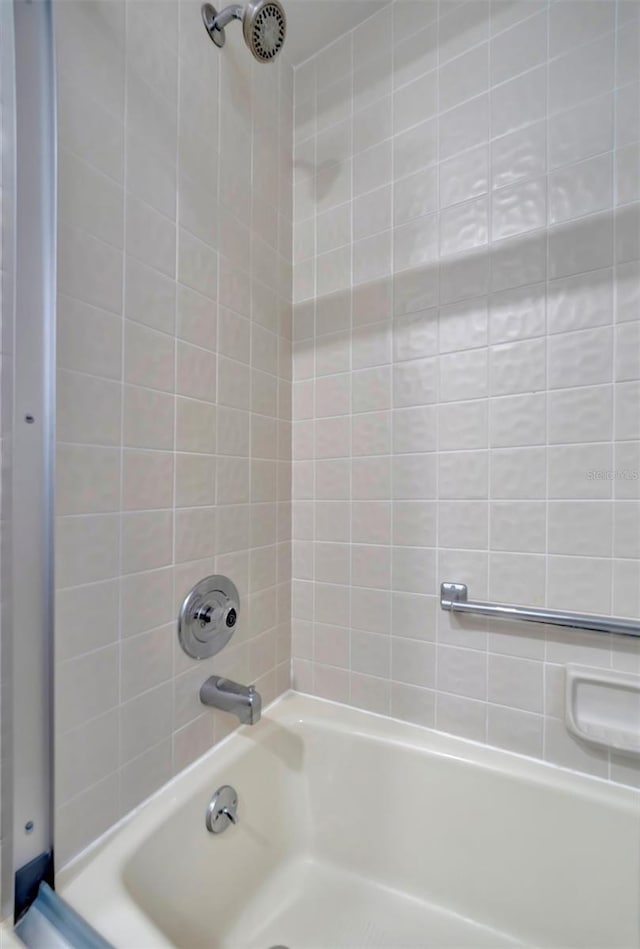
[(264, 26)]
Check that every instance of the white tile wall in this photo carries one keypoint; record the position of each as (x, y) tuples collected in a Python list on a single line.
[(465, 360), (174, 367)]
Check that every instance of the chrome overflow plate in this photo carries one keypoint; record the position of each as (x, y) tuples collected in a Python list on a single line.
[(222, 810), (208, 617)]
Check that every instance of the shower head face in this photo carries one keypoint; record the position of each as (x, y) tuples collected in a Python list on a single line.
[(265, 26)]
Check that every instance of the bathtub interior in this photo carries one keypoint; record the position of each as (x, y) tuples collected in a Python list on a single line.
[(195, 885), (349, 839)]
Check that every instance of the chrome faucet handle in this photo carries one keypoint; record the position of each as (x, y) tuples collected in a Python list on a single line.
[(208, 617), (233, 817)]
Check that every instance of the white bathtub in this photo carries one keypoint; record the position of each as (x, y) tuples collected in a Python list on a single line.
[(356, 831)]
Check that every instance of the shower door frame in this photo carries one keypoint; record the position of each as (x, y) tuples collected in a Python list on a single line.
[(29, 388)]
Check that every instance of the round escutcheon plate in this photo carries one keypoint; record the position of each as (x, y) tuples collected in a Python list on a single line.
[(208, 617)]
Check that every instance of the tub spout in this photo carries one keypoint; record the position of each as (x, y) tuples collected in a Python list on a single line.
[(230, 696)]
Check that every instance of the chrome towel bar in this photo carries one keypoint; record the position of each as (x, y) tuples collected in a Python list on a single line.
[(453, 597)]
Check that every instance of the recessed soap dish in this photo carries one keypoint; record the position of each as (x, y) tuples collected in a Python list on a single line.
[(603, 707)]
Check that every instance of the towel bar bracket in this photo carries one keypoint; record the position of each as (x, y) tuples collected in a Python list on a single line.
[(451, 593)]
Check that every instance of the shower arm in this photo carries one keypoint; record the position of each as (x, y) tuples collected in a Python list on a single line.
[(233, 12)]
